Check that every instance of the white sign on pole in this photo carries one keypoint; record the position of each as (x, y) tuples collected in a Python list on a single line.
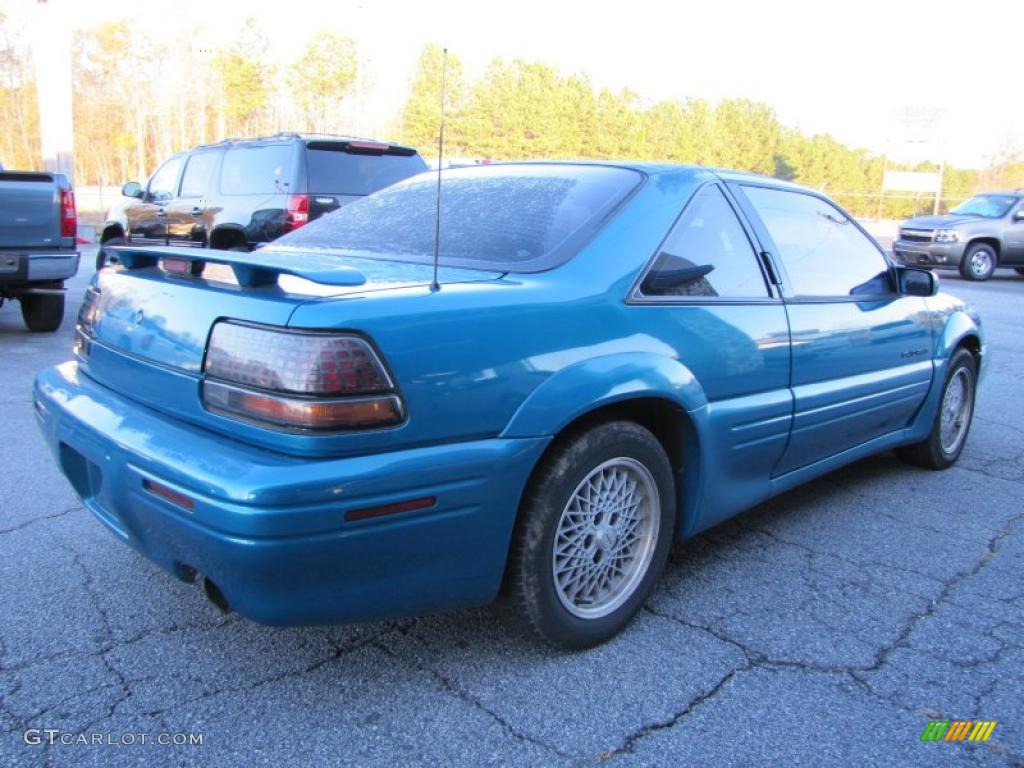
[(912, 181)]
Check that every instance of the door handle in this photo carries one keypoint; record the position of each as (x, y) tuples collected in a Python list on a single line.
[(197, 211)]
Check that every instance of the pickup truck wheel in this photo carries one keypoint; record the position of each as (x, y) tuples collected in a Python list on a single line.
[(948, 435), (103, 258), (979, 262), (42, 312), (593, 534)]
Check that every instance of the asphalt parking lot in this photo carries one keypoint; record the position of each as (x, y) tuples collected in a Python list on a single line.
[(827, 627)]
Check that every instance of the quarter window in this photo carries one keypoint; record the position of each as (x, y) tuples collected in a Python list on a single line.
[(256, 170), (824, 253), (706, 254), (198, 174), (165, 180)]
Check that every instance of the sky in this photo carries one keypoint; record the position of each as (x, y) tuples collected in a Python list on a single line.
[(914, 80)]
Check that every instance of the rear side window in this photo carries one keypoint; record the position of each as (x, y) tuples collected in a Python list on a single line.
[(333, 170), (824, 253), (706, 254), (510, 218), (256, 170), (198, 175)]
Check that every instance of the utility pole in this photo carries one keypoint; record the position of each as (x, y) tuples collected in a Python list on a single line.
[(51, 52)]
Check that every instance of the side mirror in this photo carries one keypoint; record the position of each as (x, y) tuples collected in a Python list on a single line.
[(132, 189), (1018, 215), (914, 281)]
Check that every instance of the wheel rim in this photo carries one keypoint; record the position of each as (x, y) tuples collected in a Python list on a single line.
[(981, 260), (605, 538), (957, 404)]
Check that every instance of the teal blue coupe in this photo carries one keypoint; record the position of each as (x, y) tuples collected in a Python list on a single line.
[(604, 358)]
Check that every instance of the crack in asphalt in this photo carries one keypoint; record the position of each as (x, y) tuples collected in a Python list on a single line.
[(43, 518), (451, 687), (755, 659)]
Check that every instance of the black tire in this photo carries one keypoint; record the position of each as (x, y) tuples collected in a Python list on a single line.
[(979, 262), (542, 605), (42, 312), (930, 452), (103, 259), (1019, 270)]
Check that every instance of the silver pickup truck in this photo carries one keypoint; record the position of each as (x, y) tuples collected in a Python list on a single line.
[(38, 244), (977, 236)]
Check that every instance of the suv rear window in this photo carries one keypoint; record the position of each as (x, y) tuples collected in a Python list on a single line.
[(256, 170), (510, 218), (331, 169)]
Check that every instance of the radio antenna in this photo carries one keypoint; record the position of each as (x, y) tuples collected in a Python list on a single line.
[(436, 286)]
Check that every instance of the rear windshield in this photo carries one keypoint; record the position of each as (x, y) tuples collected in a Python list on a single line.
[(332, 170), (256, 170), (510, 218)]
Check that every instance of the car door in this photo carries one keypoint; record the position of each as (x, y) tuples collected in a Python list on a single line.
[(188, 214), (706, 294), (147, 219), (862, 362), (1013, 237)]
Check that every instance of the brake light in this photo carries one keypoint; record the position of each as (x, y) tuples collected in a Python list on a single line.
[(297, 212), (298, 379), (367, 146), (68, 214)]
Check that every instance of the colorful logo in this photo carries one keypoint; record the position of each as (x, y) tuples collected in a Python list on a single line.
[(958, 730)]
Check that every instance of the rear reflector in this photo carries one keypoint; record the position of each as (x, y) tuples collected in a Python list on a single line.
[(169, 494), (390, 509)]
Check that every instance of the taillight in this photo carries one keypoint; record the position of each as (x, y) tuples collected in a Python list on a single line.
[(85, 328), (297, 212), (68, 214), (298, 379)]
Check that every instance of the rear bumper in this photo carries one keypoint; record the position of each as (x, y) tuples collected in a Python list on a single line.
[(270, 529), (928, 254), (20, 267)]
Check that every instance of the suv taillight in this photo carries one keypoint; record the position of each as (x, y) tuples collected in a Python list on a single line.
[(297, 212), (68, 214), (298, 379)]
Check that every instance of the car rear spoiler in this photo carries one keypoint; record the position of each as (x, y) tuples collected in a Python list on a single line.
[(252, 270)]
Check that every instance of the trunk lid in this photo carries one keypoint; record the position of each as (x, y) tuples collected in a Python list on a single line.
[(149, 328), (148, 311)]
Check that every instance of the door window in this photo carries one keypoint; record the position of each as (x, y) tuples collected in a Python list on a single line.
[(824, 253), (164, 182), (706, 254), (198, 174)]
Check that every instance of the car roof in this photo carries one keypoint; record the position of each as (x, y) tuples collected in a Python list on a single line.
[(305, 137), (695, 172)]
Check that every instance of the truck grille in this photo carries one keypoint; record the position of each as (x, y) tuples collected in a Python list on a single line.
[(917, 235)]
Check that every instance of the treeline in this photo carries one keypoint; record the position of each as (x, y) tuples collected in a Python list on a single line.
[(139, 97), (523, 109)]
